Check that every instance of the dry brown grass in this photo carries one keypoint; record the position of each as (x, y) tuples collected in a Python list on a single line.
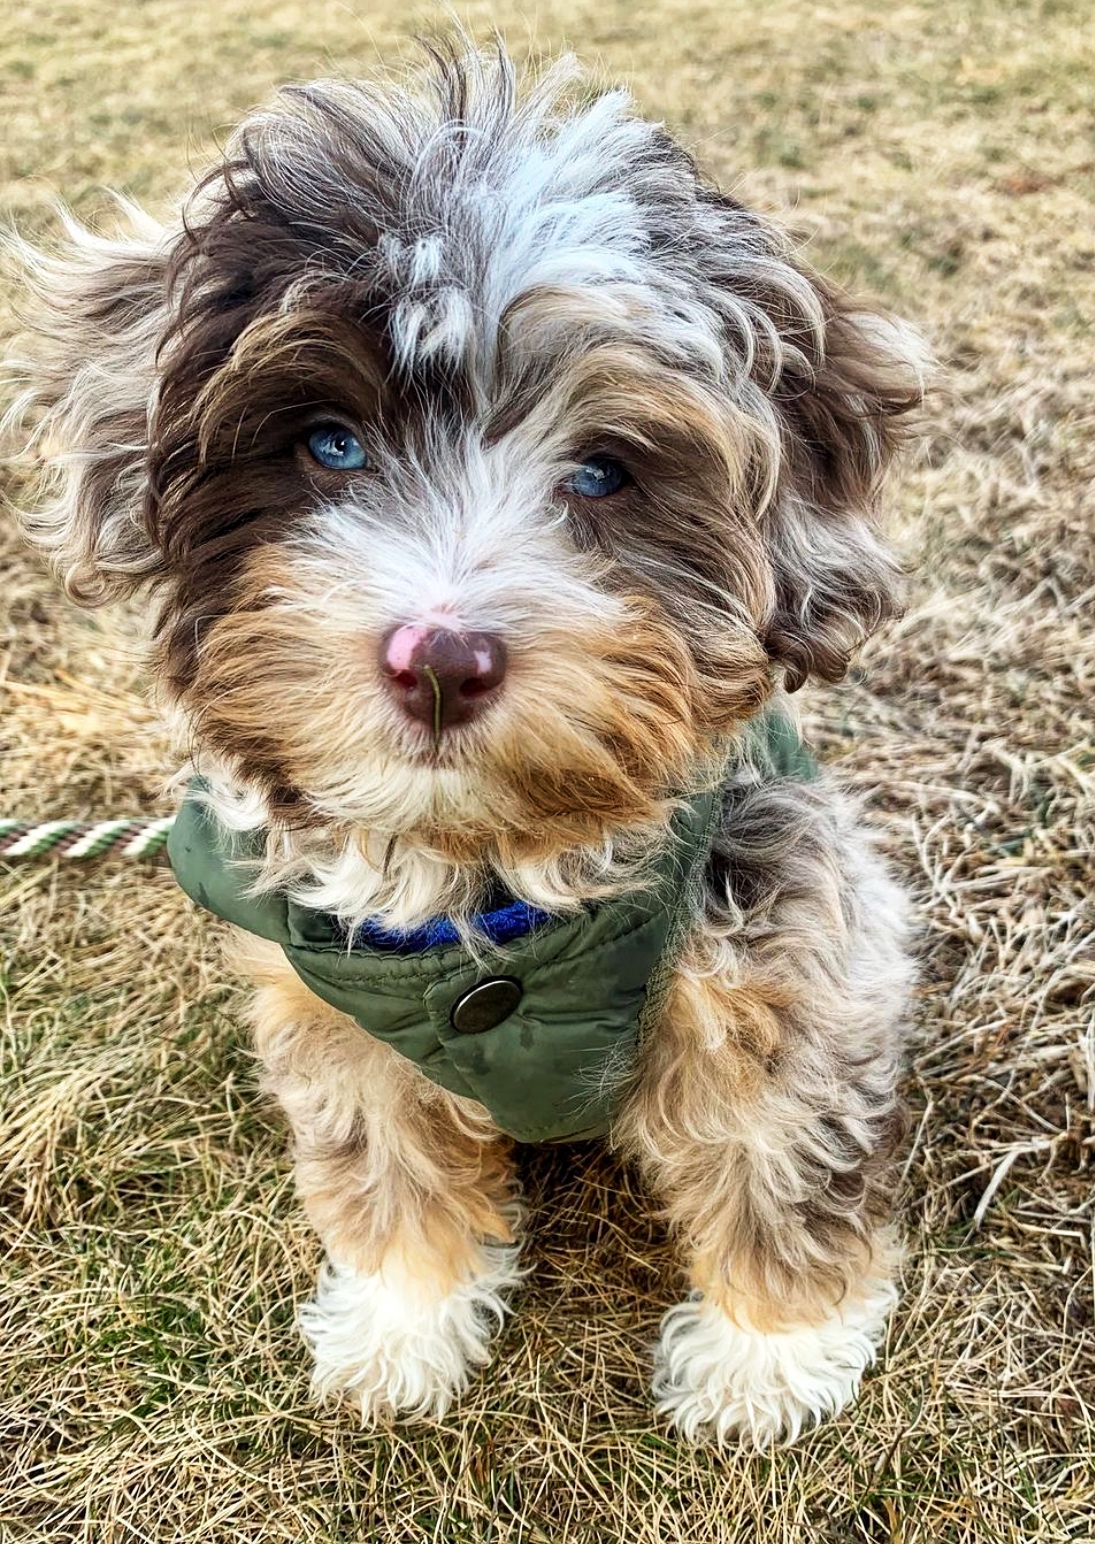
[(938, 153)]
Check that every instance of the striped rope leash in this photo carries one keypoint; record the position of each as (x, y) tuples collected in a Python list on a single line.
[(83, 838)]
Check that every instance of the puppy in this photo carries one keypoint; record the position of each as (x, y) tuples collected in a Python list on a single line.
[(496, 479)]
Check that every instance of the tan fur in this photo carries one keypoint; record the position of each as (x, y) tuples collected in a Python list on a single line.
[(396, 1175), (551, 773), (764, 1112), (486, 336), (702, 1128)]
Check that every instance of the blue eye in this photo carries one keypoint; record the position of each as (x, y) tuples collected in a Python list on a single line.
[(336, 448), (597, 478)]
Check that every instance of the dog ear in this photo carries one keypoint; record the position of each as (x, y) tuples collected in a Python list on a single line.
[(99, 310), (842, 397)]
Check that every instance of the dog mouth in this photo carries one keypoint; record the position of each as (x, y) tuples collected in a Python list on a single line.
[(446, 748), (435, 757)]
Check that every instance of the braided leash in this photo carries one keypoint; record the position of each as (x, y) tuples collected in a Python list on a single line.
[(83, 838)]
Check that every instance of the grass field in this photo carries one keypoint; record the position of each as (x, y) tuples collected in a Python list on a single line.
[(940, 156)]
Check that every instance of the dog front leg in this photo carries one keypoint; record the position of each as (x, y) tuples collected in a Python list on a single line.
[(766, 1116), (410, 1191)]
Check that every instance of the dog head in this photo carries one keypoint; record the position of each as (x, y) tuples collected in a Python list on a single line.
[(489, 466)]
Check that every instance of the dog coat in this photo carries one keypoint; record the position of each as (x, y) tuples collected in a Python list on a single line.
[(541, 1023)]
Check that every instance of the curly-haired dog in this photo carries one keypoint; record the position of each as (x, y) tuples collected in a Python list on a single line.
[(497, 477)]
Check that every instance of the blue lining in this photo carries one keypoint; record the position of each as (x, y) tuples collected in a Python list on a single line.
[(500, 926)]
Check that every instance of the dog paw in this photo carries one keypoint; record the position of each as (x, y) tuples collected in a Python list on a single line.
[(391, 1351), (717, 1380)]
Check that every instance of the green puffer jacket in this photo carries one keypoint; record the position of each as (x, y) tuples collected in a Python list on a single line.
[(541, 1030)]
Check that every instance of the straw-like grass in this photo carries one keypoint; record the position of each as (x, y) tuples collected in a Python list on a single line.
[(939, 154)]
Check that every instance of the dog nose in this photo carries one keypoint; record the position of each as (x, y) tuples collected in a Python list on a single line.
[(442, 678)]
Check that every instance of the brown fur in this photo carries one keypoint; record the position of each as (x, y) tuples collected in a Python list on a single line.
[(274, 674), (359, 257), (764, 1112), (394, 1173)]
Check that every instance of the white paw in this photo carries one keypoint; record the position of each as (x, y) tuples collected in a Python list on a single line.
[(713, 1378), (390, 1349)]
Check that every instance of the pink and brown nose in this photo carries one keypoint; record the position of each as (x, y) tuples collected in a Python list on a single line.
[(442, 678)]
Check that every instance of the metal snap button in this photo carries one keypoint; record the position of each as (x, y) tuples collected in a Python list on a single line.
[(486, 1005)]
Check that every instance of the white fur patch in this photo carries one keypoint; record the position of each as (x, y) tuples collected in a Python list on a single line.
[(392, 1351), (715, 1379)]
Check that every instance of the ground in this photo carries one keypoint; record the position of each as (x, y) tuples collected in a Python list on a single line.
[(938, 156)]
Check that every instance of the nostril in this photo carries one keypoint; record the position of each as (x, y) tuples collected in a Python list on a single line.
[(475, 686), (403, 678)]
